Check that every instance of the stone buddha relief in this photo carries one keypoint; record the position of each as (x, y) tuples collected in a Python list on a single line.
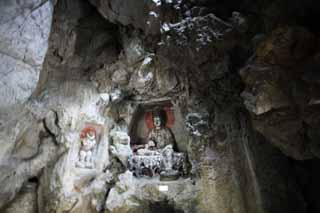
[(89, 138), (159, 155), (160, 135)]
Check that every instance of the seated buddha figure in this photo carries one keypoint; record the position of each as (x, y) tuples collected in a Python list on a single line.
[(160, 135), (164, 142), (158, 155)]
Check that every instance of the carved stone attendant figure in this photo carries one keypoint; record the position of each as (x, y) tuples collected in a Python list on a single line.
[(88, 143)]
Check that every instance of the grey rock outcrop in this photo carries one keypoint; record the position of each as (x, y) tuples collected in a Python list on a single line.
[(278, 94), (136, 195), (26, 201), (24, 33)]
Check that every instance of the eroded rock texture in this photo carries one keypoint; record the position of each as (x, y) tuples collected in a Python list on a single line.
[(24, 32), (281, 90), (236, 83)]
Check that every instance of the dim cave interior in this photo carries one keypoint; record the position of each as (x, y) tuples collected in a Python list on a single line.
[(159, 106)]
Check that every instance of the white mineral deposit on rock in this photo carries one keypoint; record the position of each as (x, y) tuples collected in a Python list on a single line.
[(154, 14), (157, 2)]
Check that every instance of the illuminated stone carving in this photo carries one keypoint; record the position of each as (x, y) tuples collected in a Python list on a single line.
[(88, 140), (158, 155)]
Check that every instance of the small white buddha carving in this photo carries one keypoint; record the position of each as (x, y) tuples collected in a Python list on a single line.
[(88, 144)]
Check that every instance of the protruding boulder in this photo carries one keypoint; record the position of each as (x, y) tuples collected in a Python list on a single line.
[(286, 46), (266, 88)]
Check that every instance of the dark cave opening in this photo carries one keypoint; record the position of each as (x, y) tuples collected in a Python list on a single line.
[(163, 207), (33, 180), (307, 175)]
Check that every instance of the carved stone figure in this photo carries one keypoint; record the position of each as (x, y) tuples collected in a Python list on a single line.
[(120, 145), (167, 154), (160, 134), (158, 155), (88, 143)]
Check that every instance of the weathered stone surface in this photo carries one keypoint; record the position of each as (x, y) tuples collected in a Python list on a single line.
[(15, 173), (26, 201), (285, 129), (206, 30), (77, 44), (134, 195), (143, 15), (287, 46), (265, 88), (24, 32), (133, 48), (126, 13), (143, 78), (277, 93), (28, 146)]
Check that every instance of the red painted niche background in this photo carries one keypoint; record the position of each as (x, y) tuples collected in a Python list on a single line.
[(169, 114), (96, 129)]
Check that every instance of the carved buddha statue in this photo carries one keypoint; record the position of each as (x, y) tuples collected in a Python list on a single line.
[(160, 135), (158, 155)]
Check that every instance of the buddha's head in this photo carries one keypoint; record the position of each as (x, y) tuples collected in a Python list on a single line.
[(159, 118), (88, 133), (91, 135)]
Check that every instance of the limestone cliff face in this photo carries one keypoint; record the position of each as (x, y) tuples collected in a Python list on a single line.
[(238, 81), (25, 28)]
